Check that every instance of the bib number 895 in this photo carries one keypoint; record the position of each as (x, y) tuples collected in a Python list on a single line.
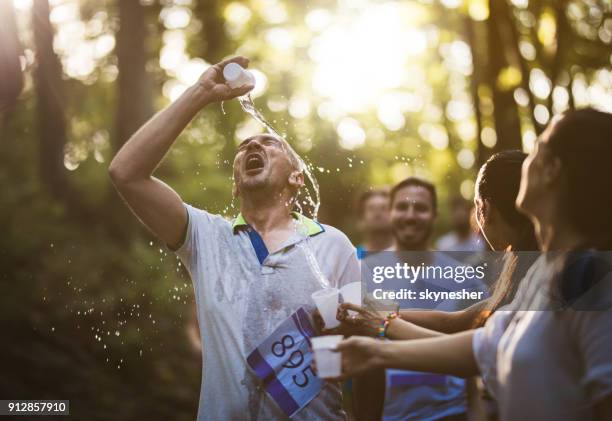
[(294, 361)]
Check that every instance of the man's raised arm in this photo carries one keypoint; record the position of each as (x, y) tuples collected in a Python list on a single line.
[(155, 204)]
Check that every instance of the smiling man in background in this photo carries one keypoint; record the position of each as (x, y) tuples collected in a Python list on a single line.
[(408, 395), (415, 395), (250, 275)]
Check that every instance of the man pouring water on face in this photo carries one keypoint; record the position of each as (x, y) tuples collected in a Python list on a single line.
[(253, 276)]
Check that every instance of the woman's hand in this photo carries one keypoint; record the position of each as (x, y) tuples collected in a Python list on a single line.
[(365, 323), (360, 354)]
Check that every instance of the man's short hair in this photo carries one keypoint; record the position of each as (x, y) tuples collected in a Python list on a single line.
[(418, 182), (367, 195), (294, 158)]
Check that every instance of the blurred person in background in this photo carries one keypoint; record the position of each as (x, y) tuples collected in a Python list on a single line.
[(373, 222), (410, 395), (462, 237)]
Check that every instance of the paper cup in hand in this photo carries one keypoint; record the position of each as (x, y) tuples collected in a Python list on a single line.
[(351, 293), (328, 361), (326, 301)]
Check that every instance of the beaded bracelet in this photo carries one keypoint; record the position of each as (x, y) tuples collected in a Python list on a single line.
[(382, 330)]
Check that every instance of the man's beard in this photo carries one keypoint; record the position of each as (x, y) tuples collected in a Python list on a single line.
[(413, 243), (254, 184)]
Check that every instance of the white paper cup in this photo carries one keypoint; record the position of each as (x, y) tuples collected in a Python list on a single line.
[(329, 363), (351, 293), (326, 301)]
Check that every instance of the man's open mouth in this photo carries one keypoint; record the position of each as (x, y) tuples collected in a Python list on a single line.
[(254, 162)]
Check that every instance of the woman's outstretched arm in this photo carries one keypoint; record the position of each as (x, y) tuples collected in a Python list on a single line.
[(448, 354), (445, 321), (414, 324)]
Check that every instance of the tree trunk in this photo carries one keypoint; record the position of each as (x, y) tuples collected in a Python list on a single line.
[(564, 35), (11, 78), (135, 100), (523, 66), (213, 47), (135, 103), (505, 111), (570, 90), (50, 114), (475, 80), (210, 15)]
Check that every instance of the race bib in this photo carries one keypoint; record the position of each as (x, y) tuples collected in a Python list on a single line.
[(282, 362)]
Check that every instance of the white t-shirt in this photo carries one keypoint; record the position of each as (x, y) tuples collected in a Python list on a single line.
[(240, 301), (546, 364)]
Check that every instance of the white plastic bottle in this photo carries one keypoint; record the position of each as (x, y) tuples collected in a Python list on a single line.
[(236, 76)]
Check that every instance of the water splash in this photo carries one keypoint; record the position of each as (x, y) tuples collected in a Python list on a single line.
[(311, 195), (306, 247), (246, 102), (248, 106), (312, 262)]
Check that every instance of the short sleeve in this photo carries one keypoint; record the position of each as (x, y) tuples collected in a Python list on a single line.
[(336, 256), (346, 268), (485, 344), (591, 331), (349, 270), (486, 364), (199, 227)]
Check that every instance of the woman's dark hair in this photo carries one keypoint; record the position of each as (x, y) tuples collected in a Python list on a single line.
[(582, 140), (498, 183)]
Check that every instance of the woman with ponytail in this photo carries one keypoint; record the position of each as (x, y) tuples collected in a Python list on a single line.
[(503, 227), (554, 363)]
